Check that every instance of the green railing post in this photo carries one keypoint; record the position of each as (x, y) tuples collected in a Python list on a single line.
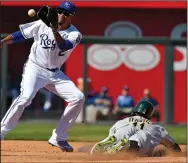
[(4, 57), (85, 80), (168, 84)]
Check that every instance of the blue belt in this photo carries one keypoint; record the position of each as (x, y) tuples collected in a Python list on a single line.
[(53, 69)]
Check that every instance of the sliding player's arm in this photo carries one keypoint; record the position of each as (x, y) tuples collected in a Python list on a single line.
[(169, 142)]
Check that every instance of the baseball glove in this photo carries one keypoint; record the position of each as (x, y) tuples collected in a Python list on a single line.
[(42, 14), (52, 17), (48, 16)]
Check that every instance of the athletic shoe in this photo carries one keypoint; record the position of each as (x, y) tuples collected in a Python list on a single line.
[(117, 147), (101, 146), (63, 145)]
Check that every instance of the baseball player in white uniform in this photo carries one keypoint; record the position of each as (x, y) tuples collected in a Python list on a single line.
[(54, 40), (136, 134)]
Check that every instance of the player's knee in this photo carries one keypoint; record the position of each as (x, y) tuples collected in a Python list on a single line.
[(25, 101), (133, 146), (79, 97)]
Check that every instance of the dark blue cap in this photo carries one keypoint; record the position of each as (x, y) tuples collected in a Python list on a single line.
[(69, 7), (126, 88), (104, 89)]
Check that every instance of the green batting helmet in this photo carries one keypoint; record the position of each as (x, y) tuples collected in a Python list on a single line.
[(143, 108)]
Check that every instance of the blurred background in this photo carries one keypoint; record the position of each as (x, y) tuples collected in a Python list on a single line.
[(117, 75)]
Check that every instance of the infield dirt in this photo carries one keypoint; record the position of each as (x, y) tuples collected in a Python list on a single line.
[(41, 151)]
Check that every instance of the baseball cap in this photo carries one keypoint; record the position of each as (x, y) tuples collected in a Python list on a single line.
[(69, 7), (104, 89), (126, 88)]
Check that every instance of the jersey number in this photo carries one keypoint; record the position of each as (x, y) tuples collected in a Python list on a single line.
[(141, 125)]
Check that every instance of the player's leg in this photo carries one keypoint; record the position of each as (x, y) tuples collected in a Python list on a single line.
[(140, 143), (117, 147), (134, 144), (101, 146), (32, 81), (121, 135), (66, 89), (111, 140)]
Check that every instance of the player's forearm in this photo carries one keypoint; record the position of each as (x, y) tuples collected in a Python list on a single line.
[(171, 145), (174, 147), (7, 40), (62, 43), (59, 40), (12, 38)]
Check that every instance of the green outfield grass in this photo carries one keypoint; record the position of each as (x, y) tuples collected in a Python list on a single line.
[(78, 132)]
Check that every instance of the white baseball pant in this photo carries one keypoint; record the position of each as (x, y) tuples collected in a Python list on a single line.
[(34, 78)]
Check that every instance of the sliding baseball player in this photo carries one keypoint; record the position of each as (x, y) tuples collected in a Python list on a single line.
[(136, 134)]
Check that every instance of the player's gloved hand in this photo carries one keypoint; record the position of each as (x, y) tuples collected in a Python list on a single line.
[(52, 17), (49, 16), (42, 14)]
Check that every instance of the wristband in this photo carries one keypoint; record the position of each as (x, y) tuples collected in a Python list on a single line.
[(17, 36)]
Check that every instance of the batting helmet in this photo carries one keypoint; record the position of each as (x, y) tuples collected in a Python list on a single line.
[(143, 108)]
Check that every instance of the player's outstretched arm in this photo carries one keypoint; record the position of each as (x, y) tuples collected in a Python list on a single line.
[(6, 40), (173, 146), (12, 38), (167, 140), (62, 44)]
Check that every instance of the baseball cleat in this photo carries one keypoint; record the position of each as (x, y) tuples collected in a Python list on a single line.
[(117, 147), (101, 146), (63, 145)]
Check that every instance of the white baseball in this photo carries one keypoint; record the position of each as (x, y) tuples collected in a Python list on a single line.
[(31, 12)]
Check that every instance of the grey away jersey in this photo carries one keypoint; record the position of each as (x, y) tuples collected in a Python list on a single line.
[(147, 134), (151, 136), (127, 127), (44, 51)]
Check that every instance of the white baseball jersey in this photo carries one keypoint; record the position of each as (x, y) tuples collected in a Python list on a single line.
[(45, 55), (44, 51)]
